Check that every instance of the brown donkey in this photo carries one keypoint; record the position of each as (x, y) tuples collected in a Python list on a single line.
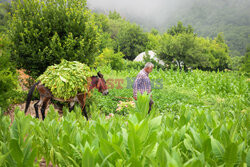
[(45, 95)]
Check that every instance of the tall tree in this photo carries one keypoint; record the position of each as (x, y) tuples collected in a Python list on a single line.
[(174, 30), (44, 32), (131, 40)]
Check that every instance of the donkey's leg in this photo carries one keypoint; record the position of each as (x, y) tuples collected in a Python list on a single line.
[(36, 109), (85, 113), (71, 106), (45, 103), (81, 100)]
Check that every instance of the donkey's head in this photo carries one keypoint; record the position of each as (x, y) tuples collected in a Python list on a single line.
[(99, 83)]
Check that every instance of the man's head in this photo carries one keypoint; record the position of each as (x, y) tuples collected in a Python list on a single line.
[(148, 67)]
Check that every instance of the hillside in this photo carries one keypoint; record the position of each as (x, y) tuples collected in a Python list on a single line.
[(208, 17)]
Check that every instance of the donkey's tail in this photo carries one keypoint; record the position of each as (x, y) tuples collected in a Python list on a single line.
[(29, 97)]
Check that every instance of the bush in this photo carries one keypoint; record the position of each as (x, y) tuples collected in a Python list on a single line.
[(44, 32), (109, 57), (8, 79)]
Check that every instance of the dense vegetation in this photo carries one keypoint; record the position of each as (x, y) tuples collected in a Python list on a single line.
[(199, 119), (8, 76), (208, 18), (42, 33), (212, 17)]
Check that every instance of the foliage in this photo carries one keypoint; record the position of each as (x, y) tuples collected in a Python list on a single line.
[(104, 26), (179, 138), (236, 63), (246, 61), (109, 57), (209, 19), (4, 10), (195, 52), (131, 41), (8, 79), (133, 65), (42, 33), (173, 87), (153, 40), (114, 15), (121, 35), (179, 29), (199, 118), (66, 79)]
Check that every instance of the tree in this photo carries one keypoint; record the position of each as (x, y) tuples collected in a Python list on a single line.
[(114, 15), (103, 23), (178, 48), (44, 32), (211, 54), (153, 40), (196, 52), (174, 30), (131, 40)]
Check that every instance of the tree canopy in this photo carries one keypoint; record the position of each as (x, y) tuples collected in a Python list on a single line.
[(44, 32)]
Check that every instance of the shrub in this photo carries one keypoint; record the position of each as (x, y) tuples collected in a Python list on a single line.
[(8, 79), (109, 57), (44, 32)]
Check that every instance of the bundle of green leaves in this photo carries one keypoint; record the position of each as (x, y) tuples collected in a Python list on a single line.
[(66, 79)]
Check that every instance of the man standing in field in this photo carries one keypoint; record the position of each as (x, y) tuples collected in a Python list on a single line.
[(142, 83)]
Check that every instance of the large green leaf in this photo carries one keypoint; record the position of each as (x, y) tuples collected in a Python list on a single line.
[(248, 158), (88, 158), (3, 158), (197, 139), (155, 123), (134, 143), (160, 155), (16, 152), (29, 156), (143, 130), (217, 148), (194, 162), (207, 147), (230, 156), (101, 132)]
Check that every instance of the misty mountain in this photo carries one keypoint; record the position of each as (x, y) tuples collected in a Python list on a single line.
[(208, 17)]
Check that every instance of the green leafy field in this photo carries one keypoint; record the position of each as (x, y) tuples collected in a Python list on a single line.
[(199, 119)]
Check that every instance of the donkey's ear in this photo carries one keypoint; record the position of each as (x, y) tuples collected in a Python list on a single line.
[(99, 74)]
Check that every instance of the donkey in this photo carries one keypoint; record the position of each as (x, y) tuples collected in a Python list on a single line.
[(46, 95)]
